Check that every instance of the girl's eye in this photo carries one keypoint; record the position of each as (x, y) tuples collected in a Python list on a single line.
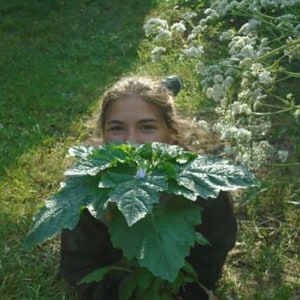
[(115, 128), (148, 127)]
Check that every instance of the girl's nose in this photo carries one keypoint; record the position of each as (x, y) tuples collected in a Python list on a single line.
[(132, 136)]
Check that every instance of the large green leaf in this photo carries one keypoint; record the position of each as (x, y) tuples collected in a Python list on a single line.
[(134, 195), (93, 159), (160, 241), (207, 176), (63, 210), (133, 176), (177, 188)]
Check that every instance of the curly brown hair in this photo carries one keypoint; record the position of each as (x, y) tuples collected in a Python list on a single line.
[(186, 132)]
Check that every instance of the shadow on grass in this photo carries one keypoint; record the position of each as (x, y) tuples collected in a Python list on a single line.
[(56, 59)]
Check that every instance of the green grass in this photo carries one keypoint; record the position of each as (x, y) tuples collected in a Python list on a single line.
[(57, 57)]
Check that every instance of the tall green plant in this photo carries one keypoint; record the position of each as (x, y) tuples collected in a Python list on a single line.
[(147, 197)]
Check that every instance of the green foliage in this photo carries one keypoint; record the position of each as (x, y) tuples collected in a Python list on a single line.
[(164, 236), (133, 177), (149, 192), (78, 192)]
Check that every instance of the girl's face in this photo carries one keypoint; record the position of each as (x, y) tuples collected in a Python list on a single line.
[(137, 121)]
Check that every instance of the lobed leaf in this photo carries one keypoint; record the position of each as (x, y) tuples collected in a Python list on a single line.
[(93, 159), (133, 176), (161, 240), (207, 176), (134, 196), (63, 210)]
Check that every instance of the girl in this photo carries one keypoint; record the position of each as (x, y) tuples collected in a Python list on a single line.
[(139, 110)]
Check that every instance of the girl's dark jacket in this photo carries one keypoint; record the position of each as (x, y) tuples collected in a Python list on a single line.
[(88, 247)]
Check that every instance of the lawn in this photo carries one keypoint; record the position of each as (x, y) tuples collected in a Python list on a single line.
[(56, 59)]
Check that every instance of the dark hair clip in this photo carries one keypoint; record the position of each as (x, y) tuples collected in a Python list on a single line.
[(173, 83)]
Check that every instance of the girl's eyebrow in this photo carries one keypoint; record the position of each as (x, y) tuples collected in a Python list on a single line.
[(114, 122), (140, 121), (148, 121)]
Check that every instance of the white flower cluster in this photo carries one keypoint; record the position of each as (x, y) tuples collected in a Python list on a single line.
[(223, 7), (283, 155), (293, 51), (193, 52), (189, 15), (178, 27), (297, 114), (154, 25), (242, 78), (258, 154), (157, 52), (157, 30), (203, 125)]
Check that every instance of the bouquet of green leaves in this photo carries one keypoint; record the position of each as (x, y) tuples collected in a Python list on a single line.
[(149, 192)]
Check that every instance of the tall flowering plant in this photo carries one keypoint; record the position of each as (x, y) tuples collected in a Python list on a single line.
[(245, 54)]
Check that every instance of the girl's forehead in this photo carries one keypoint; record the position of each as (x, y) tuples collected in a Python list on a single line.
[(131, 106)]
